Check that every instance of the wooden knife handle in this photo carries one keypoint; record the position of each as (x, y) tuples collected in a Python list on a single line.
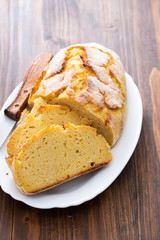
[(35, 71)]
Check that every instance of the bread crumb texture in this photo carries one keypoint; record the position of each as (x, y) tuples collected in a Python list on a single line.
[(41, 116), (57, 154)]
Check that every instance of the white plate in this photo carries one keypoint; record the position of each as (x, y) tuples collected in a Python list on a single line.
[(89, 185)]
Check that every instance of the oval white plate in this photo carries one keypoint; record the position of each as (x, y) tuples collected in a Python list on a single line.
[(89, 185)]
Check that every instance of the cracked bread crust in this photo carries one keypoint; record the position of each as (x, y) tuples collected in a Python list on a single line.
[(91, 81)]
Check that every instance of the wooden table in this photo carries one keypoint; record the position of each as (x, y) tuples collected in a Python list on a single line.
[(130, 207)]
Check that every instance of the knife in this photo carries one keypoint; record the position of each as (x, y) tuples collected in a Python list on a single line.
[(10, 115)]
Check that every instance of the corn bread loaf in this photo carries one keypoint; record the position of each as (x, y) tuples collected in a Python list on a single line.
[(91, 80), (41, 116), (57, 154), (77, 111)]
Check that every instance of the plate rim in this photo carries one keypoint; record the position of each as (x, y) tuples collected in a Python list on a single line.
[(104, 186)]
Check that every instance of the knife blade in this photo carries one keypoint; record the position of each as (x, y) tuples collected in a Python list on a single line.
[(6, 125), (10, 115)]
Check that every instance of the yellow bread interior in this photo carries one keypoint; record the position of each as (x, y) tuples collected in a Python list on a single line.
[(56, 154), (41, 116)]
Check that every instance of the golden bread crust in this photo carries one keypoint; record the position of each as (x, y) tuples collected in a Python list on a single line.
[(92, 81)]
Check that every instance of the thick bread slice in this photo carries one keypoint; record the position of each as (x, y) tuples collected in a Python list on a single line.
[(41, 116), (88, 78), (56, 154)]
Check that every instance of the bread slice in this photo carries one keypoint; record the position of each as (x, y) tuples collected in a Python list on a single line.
[(88, 78), (57, 154), (41, 116)]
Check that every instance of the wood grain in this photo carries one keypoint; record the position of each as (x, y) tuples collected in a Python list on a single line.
[(154, 81), (130, 207), (155, 86)]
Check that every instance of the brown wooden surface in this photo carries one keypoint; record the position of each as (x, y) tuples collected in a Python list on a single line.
[(130, 207)]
